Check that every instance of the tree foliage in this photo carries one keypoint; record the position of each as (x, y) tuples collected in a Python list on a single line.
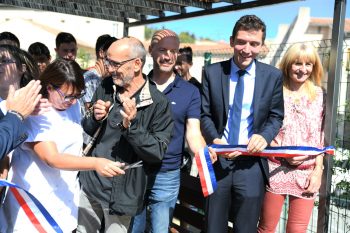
[(149, 32), (84, 58), (186, 37)]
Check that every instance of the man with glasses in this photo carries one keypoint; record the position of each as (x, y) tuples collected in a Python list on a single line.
[(136, 125)]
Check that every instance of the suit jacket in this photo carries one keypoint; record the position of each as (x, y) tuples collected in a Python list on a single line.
[(268, 109), (12, 133)]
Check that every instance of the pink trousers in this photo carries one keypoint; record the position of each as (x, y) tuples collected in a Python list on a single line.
[(299, 213)]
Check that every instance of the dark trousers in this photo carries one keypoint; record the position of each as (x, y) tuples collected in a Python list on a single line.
[(241, 190)]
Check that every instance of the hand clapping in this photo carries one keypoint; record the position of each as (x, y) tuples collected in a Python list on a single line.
[(129, 111)]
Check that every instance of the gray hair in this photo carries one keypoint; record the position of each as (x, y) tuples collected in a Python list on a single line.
[(137, 49)]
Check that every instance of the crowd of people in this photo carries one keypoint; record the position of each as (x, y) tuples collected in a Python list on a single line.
[(102, 148)]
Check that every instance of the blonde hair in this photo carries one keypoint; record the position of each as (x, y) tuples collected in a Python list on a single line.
[(303, 52)]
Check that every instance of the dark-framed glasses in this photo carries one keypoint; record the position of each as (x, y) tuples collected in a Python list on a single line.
[(6, 61), (68, 98), (116, 65)]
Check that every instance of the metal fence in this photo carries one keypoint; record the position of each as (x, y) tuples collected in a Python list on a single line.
[(339, 219)]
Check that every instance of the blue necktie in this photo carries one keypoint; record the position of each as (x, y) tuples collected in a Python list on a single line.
[(236, 110)]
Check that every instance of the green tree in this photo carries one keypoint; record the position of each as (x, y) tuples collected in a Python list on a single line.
[(206, 38), (83, 58), (149, 32), (186, 37)]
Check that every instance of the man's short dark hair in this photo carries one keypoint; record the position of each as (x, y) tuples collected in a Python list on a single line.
[(101, 40), (249, 22), (108, 43), (103, 43), (187, 53), (9, 36), (39, 49), (64, 37)]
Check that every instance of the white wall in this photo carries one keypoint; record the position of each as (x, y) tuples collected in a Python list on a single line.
[(34, 25)]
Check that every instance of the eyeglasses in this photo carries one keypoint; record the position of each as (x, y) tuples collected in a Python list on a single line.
[(69, 98), (6, 61), (116, 65)]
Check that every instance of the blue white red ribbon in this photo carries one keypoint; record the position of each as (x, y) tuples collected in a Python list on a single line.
[(207, 174), (278, 151), (35, 211)]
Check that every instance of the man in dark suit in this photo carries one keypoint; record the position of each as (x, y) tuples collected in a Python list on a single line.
[(18, 106), (242, 103)]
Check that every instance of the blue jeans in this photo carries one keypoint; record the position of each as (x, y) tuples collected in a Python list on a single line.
[(161, 196)]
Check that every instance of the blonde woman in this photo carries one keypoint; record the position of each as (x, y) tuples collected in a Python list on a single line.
[(298, 177)]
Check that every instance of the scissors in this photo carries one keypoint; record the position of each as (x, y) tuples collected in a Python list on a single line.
[(133, 165)]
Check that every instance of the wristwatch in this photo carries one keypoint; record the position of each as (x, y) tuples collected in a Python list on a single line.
[(17, 114)]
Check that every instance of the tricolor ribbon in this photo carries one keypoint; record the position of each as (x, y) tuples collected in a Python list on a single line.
[(278, 151), (35, 211), (206, 171)]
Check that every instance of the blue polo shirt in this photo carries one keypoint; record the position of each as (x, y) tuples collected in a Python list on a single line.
[(185, 103)]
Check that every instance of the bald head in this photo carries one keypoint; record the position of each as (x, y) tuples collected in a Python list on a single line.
[(130, 46), (161, 34), (125, 59), (118, 46), (164, 48)]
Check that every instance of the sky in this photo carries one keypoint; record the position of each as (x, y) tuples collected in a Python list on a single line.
[(219, 26)]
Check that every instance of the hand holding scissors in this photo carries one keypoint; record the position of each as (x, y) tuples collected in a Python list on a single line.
[(133, 165)]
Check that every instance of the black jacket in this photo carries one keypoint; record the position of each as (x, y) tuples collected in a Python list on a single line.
[(146, 140)]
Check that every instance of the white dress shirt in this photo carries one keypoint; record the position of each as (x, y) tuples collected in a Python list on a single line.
[(246, 124)]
